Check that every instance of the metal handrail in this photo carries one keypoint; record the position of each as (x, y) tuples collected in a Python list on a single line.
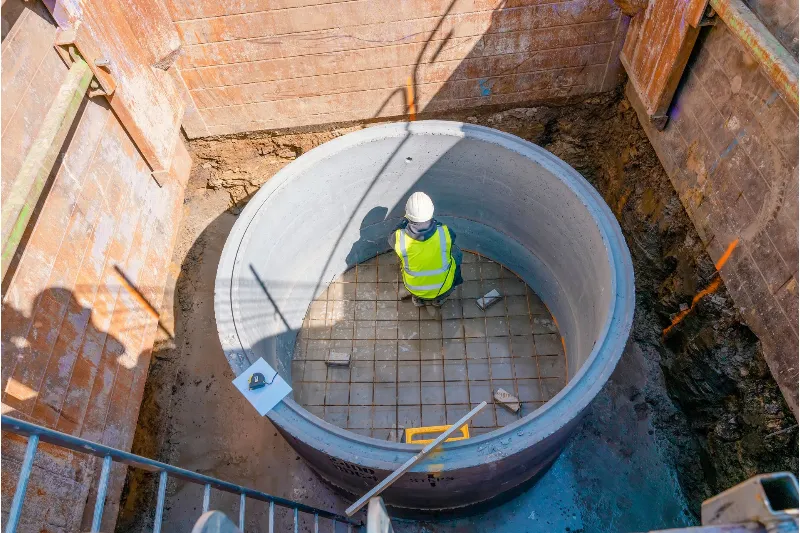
[(36, 433)]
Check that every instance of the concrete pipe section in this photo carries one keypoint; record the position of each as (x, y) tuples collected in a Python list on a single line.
[(508, 200)]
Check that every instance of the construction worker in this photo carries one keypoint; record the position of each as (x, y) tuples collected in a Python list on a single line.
[(430, 260)]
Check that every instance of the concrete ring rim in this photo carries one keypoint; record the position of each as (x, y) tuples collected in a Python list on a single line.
[(289, 413)]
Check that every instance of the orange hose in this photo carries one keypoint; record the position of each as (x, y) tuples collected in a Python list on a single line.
[(412, 107), (727, 255), (712, 287)]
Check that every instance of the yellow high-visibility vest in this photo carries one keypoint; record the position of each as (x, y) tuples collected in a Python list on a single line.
[(428, 268)]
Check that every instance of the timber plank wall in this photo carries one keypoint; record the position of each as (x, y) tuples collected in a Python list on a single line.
[(730, 148), (75, 342), (263, 65)]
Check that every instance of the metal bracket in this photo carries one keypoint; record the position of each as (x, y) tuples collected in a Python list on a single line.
[(709, 17), (160, 177), (659, 122), (73, 43), (74, 40), (95, 89), (769, 499)]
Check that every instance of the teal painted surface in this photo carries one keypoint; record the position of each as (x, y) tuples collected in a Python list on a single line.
[(613, 476)]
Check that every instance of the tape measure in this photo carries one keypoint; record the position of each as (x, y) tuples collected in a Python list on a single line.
[(256, 381)]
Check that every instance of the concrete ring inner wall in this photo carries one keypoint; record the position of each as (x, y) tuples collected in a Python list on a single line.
[(507, 199)]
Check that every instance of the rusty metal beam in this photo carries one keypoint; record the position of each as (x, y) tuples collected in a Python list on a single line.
[(108, 35), (21, 200), (658, 45), (775, 59)]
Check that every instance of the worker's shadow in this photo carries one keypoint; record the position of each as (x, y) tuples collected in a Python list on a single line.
[(373, 236), (92, 351)]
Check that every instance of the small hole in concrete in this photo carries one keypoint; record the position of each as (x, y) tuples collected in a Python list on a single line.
[(408, 159)]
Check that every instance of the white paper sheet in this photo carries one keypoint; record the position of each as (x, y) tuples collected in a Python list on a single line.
[(268, 396)]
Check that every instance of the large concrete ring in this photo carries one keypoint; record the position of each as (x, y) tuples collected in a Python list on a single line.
[(505, 198)]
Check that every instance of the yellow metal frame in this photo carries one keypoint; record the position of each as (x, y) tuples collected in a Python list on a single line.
[(413, 432)]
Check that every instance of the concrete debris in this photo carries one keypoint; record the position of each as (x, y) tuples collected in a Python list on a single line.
[(397, 433), (337, 359), (508, 400), (489, 299)]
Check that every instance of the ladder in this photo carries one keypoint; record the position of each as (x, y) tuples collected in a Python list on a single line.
[(36, 433)]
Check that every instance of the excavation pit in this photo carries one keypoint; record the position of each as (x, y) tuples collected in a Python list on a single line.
[(509, 201)]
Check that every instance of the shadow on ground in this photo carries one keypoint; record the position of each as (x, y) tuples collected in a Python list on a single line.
[(192, 416)]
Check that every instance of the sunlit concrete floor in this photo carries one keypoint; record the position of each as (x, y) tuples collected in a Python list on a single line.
[(410, 368), (612, 477)]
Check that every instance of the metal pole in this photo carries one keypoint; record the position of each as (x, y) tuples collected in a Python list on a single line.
[(101, 494), (162, 492), (316, 523), (22, 484), (271, 517), (391, 478), (206, 497), (20, 202), (242, 499), (295, 520)]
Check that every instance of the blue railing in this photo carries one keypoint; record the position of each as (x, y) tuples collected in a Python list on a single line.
[(37, 433)]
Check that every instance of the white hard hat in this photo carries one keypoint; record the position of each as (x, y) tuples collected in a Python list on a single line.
[(419, 208)]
